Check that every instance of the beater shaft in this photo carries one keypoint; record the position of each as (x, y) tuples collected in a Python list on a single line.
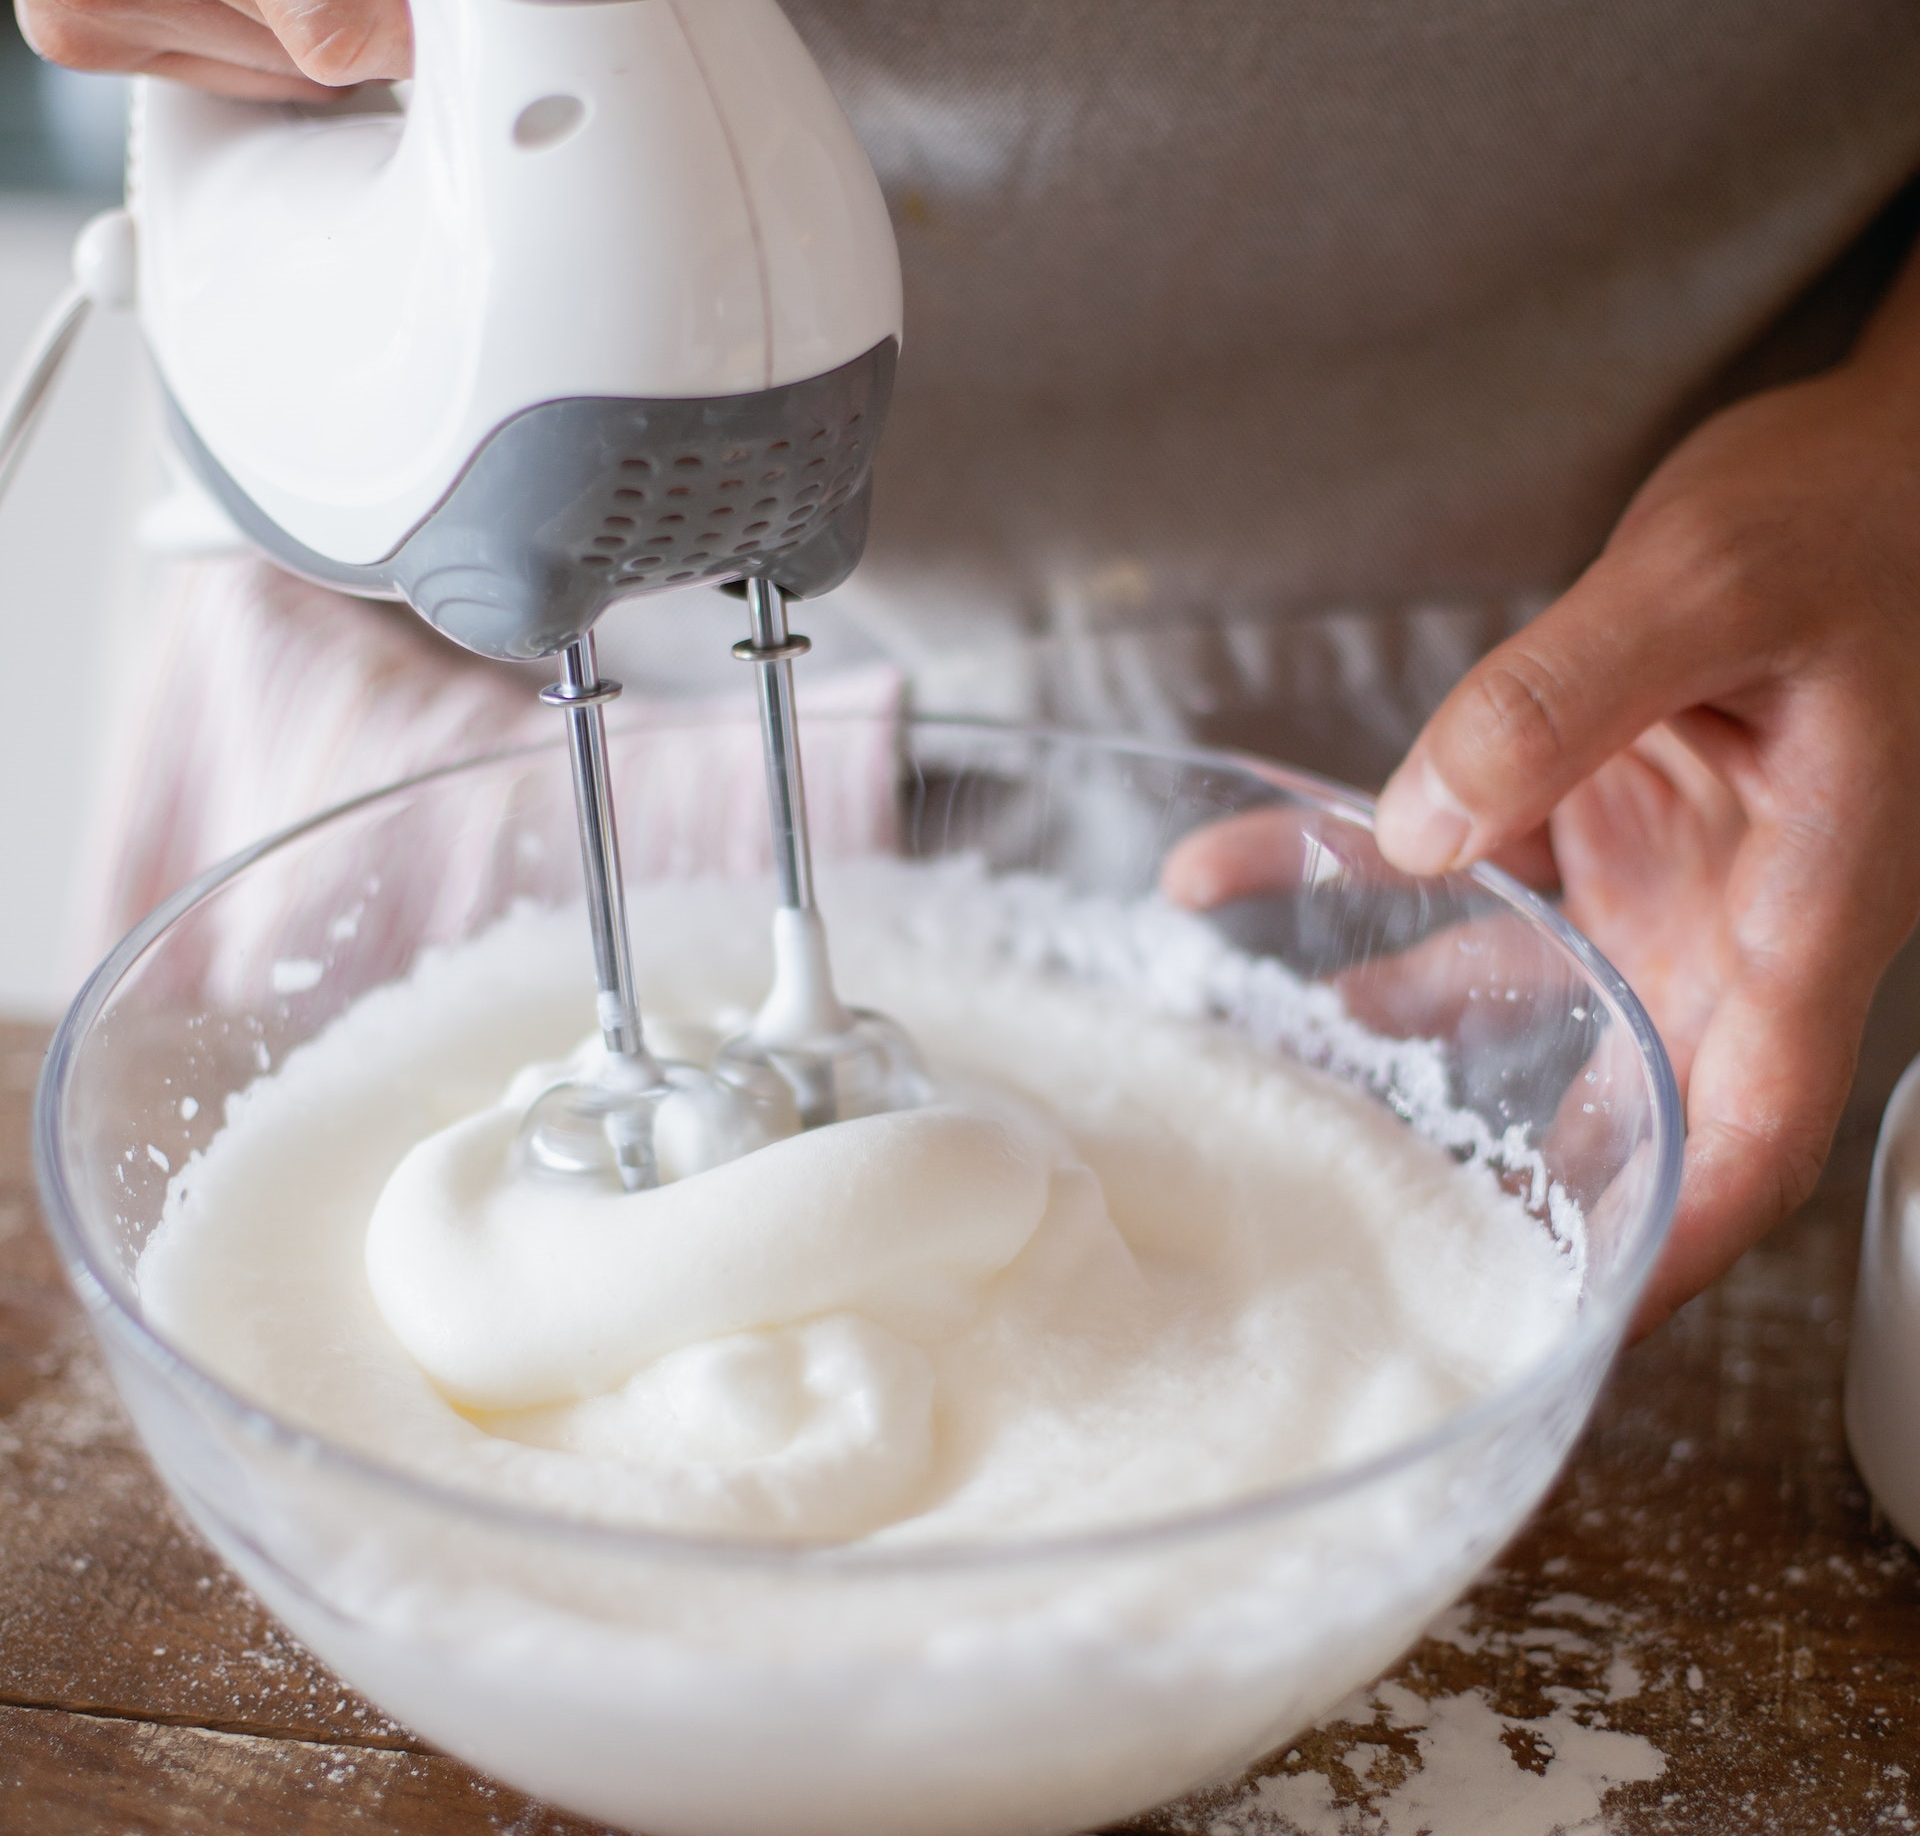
[(773, 648), (838, 1062), (583, 696), (610, 1116)]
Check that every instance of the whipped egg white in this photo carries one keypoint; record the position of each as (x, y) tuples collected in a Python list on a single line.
[(1127, 1263)]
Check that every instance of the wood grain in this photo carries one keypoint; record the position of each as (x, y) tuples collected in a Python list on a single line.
[(61, 1771), (1707, 1575)]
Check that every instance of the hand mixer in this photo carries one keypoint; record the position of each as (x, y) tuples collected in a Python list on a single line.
[(604, 302)]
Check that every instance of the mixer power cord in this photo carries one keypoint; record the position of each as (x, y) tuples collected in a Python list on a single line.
[(103, 275), (33, 379)]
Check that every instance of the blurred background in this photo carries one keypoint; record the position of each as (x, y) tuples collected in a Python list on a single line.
[(69, 579)]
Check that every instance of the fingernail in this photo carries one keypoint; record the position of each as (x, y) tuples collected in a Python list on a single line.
[(1421, 826)]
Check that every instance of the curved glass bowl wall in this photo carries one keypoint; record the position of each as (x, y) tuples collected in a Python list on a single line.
[(696, 1688)]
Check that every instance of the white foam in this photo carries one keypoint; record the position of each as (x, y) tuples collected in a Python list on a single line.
[(1215, 1271)]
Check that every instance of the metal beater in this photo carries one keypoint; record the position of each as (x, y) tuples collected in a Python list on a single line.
[(608, 1118), (840, 1062)]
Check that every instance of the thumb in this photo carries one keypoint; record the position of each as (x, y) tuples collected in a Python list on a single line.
[(1535, 717), (342, 42)]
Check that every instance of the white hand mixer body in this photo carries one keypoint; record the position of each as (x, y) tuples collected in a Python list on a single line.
[(606, 301), (605, 240)]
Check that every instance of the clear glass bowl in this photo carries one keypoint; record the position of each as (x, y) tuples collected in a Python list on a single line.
[(702, 1688)]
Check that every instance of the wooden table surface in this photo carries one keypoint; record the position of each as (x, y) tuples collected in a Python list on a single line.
[(1704, 1630)]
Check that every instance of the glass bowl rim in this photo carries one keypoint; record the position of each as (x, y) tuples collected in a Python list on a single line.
[(1593, 1324)]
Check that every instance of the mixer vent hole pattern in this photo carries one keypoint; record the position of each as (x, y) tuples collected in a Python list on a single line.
[(797, 486)]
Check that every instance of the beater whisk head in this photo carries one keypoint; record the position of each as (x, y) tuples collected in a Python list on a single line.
[(642, 1122)]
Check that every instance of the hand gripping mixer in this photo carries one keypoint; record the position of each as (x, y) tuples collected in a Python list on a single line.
[(604, 302)]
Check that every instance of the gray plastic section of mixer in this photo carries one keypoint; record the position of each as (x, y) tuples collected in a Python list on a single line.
[(573, 505)]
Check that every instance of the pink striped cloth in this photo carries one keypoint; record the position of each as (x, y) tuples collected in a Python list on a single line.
[(270, 699)]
